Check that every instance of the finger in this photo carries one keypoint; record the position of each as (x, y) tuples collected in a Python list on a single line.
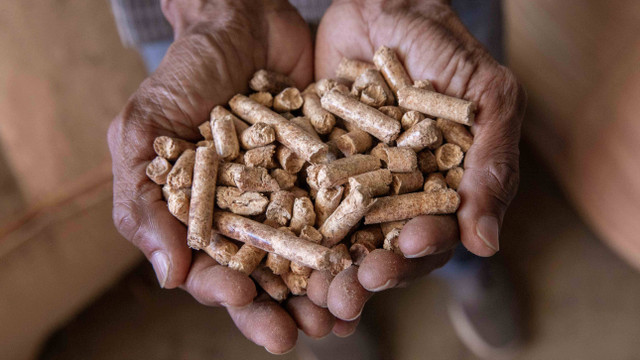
[(212, 284), (313, 320), (267, 324), (318, 287), (346, 297), (344, 328), (384, 269), (491, 174), (139, 212), (427, 235)]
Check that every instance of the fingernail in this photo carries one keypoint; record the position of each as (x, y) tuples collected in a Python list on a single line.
[(160, 262), (488, 230), (389, 284), (277, 353), (427, 251), (347, 334)]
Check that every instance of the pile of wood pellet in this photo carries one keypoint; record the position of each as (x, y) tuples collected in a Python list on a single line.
[(282, 182)]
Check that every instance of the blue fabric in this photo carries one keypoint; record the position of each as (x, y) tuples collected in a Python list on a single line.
[(153, 52)]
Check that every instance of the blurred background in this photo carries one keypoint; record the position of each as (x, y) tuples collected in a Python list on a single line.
[(72, 288)]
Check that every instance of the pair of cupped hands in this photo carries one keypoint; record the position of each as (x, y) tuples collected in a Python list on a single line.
[(218, 45)]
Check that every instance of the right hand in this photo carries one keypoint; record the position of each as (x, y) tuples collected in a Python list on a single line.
[(218, 45)]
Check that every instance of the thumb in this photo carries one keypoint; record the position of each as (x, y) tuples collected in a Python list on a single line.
[(491, 176)]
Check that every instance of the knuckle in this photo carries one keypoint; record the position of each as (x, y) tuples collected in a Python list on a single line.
[(502, 178), (128, 222)]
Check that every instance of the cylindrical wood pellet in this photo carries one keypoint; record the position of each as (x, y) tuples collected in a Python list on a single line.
[(202, 198)]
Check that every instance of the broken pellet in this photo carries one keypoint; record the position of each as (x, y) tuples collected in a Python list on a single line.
[(181, 175), (272, 240), (434, 181), (406, 182), (262, 156), (455, 133), (454, 176), (158, 169), (269, 81), (263, 98), (336, 133), (391, 241), (296, 283), (288, 99), (280, 209), (423, 84), (421, 135), (407, 206), (303, 214), (427, 162), (257, 135), (386, 227), (401, 159), (437, 105), (391, 68), (247, 259), (203, 193), (242, 203), (342, 253), (327, 200), (246, 178), (171, 148), (364, 117), (224, 135), (167, 191), (354, 142), (338, 172), (324, 86), (448, 156), (221, 249), (205, 130), (393, 112), (376, 183), (365, 241), (350, 69), (372, 81), (285, 179), (304, 123), (288, 160), (288, 134), (410, 118), (271, 283), (322, 120), (346, 216), (178, 205)]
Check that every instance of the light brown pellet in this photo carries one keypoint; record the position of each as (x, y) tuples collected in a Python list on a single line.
[(158, 169), (269, 81), (401, 159), (303, 214), (410, 118), (391, 241), (202, 198), (297, 284), (257, 135), (455, 133), (392, 111), (324, 86), (437, 105), (247, 259), (423, 84), (322, 120), (375, 183), (246, 178), (346, 216), (285, 179), (304, 123), (454, 176), (280, 209), (262, 156), (242, 203), (178, 205), (391, 68), (448, 156), (288, 160), (288, 99), (427, 162), (354, 142), (224, 135), (406, 182), (271, 283), (278, 264), (181, 175), (408, 206), (372, 81), (421, 135), (434, 182), (221, 249), (387, 227), (220, 112), (327, 200), (338, 172), (350, 69), (262, 98), (365, 241), (171, 148), (205, 130), (364, 117)]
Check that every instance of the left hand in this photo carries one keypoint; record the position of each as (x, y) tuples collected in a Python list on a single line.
[(433, 44)]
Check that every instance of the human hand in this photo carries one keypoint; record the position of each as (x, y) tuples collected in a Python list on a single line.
[(433, 44), (219, 45)]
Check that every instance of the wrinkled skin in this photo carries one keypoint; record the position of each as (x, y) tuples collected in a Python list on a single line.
[(219, 45)]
